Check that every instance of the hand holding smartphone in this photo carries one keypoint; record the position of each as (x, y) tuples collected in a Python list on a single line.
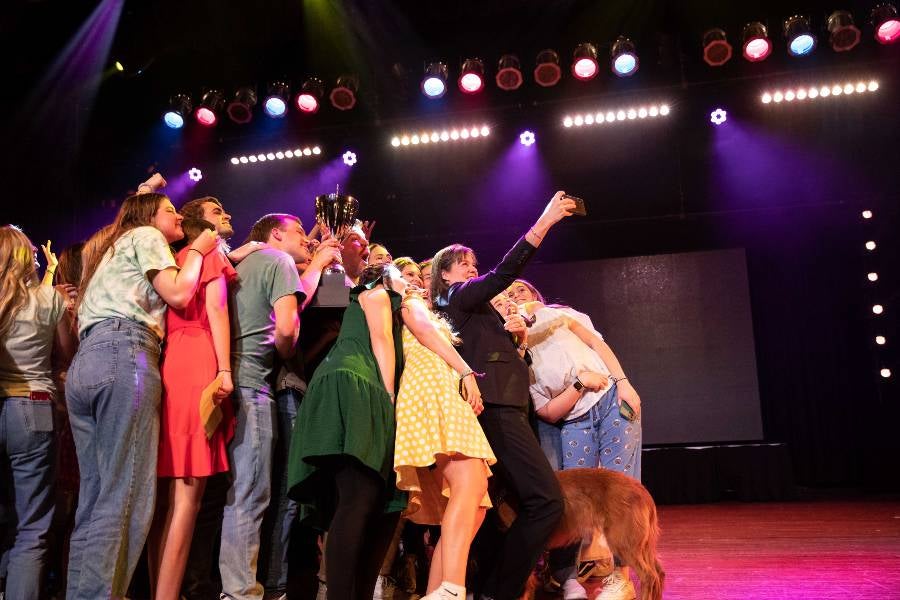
[(579, 209)]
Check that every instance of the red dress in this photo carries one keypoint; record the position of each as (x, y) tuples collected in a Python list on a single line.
[(188, 366)]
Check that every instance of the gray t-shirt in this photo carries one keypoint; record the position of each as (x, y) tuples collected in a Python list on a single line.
[(265, 276)]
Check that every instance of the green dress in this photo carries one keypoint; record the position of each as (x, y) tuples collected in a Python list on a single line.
[(346, 412)]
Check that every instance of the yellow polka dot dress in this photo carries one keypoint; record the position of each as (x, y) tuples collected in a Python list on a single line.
[(432, 419)]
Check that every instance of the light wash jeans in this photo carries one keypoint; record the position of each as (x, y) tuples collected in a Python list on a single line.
[(27, 447), (250, 457), (113, 393), (282, 511)]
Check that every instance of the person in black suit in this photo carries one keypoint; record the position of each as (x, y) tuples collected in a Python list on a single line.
[(489, 346)]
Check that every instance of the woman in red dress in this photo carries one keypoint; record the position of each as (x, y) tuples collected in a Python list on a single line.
[(197, 352)]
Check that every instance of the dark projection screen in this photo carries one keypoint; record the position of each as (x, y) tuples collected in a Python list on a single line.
[(681, 326)]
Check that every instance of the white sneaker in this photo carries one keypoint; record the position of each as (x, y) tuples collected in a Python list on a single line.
[(616, 587), (572, 590)]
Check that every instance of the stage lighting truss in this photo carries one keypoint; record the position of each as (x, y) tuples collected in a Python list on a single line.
[(240, 109), (612, 116), (427, 137), (801, 40), (716, 49), (843, 35), (509, 73), (547, 71), (343, 94), (297, 152), (195, 174), (815, 92)]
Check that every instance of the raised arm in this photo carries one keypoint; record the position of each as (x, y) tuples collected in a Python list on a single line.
[(376, 305), (625, 389), (479, 290)]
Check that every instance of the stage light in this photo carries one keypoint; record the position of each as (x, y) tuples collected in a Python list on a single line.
[(311, 93), (547, 72), (611, 116), (509, 73), (584, 62), (276, 155), (119, 66), (434, 83), (471, 76), (878, 309), (277, 96), (718, 116), (880, 340), (195, 174), (800, 37), (867, 214), (179, 108), (873, 276), (349, 158), (716, 49), (623, 57), (886, 373), (426, 138), (886, 23), (240, 109), (526, 138), (207, 113), (816, 92), (843, 35), (343, 94), (870, 245), (756, 44)]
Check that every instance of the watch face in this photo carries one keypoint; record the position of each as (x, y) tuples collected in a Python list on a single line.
[(578, 385)]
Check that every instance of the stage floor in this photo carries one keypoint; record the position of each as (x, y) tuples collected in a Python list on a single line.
[(848, 550)]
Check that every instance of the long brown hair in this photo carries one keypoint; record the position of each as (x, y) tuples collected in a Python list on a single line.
[(136, 211), (17, 272), (442, 261), (69, 268)]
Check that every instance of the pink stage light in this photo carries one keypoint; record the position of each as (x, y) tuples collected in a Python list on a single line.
[(757, 49), (888, 32), (307, 103), (205, 117), (585, 69), (470, 83)]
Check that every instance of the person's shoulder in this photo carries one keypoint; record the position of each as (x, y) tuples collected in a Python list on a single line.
[(145, 233), (267, 256)]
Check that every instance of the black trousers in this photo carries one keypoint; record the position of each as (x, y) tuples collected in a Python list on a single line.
[(524, 470)]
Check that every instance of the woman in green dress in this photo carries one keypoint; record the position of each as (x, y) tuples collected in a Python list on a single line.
[(341, 455)]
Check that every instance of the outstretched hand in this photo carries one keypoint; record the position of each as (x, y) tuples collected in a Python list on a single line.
[(49, 256)]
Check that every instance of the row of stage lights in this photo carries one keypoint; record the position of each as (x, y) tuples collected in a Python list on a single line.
[(801, 38), (814, 92), (877, 309), (275, 103)]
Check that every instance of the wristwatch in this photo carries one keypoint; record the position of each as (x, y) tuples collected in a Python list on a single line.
[(579, 387)]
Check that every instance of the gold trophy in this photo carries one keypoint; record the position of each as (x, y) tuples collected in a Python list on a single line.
[(336, 213)]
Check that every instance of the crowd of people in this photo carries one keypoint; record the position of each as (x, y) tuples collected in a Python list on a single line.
[(158, 398)]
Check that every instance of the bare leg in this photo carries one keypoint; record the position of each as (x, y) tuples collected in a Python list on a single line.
[(176, 540), (162, 517), (462, 518)]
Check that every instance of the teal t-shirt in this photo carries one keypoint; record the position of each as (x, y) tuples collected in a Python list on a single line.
[(265, 276)]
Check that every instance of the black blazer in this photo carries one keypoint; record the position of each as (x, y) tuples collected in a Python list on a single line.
[(486, 346)]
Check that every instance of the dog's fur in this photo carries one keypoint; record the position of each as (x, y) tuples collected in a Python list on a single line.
[(620, 507)]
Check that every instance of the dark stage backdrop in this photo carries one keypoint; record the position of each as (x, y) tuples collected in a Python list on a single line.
[(681, 326)]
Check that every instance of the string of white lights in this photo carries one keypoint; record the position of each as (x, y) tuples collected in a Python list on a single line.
[(435, 136), (613, 116), (820, 91), (277, 155)]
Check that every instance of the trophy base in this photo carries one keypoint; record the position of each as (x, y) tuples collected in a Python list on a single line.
[(333, 291)]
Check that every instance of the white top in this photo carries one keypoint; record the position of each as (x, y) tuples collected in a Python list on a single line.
[(558, 355)]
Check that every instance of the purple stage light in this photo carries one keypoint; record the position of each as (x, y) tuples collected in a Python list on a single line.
[(349, 158), (195, 174), (526, 138), (718, 116)]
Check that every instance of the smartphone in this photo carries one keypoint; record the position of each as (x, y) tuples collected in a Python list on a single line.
[(579, 209), (626, 411)]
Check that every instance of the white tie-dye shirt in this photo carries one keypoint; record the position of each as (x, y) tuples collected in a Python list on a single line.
[(120, 287)]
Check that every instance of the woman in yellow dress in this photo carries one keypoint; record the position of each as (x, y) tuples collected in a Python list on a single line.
[(441, 455)]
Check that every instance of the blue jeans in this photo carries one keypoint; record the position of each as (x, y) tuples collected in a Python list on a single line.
[(282, 511), (27, 446), (113, 393), (250, 457)]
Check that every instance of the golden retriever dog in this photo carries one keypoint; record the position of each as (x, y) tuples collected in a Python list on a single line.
[(600, 500)]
